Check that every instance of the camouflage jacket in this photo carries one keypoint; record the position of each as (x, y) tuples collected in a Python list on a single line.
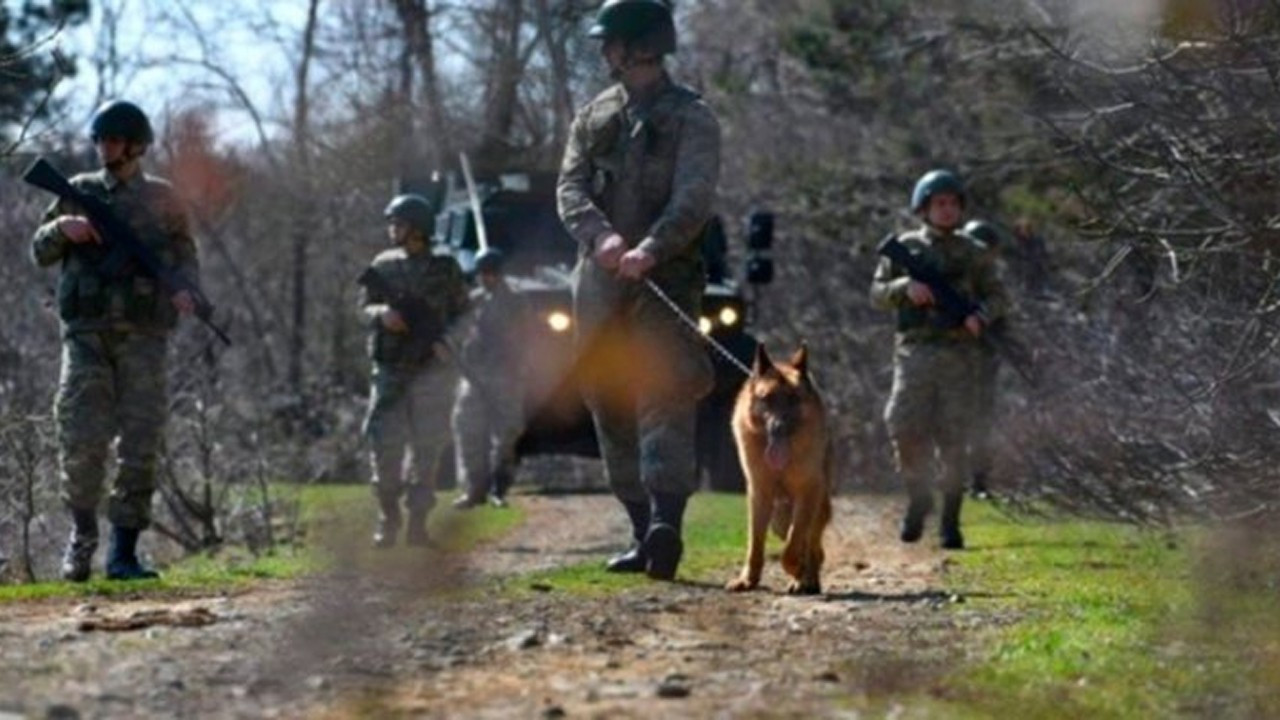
[(966, 263), (645, 168), (494, 338), (427, 288), (130, 301)]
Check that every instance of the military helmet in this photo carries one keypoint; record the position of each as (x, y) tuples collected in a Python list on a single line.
[(489, 260), (414, 210), (985, 232), (932, 183), (121, 119), (643, 24)]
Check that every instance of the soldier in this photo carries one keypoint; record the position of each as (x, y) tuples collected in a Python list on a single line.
[(636, 186), (115, 330), (409, 297), (986, 375), (929, 408), (488, 415)]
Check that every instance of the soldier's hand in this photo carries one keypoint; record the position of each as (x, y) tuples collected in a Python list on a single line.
[(394, 321), (919, 294), (183, 302), (636, 263), (974, 325), (610, 250), (78, 229)]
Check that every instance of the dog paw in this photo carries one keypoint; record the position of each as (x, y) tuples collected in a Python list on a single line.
[(740, 585), (798, 588)]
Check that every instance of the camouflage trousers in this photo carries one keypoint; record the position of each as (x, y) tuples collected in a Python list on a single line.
[(986, 376), (930, 411), (112, 388), (643, 374), (486, 425), (408, 418)]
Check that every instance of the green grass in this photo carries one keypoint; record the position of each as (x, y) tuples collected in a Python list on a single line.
[(715, 538), (1102, 616), (1077, 619), (332, 517)]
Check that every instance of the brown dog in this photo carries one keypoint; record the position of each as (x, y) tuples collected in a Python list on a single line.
[(781, 428)]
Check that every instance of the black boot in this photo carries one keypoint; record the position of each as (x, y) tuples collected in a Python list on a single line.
[(122, 556), (949, 530), (634, 559), (918, 509), (662, 543), (384, 536), (77, 561), (502, 480), (416, 534)]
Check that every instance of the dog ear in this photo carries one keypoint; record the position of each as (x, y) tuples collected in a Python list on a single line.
[(762, 363), (800, 360)]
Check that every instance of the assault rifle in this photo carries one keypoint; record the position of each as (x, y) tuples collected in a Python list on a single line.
[(424, 329), (121, 242), (953, 306)]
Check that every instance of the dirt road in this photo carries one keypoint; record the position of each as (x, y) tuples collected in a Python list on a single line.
[(406, 641)]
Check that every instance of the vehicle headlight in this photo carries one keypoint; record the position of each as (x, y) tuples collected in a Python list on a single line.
[(559, 321), (729, 316), (704, 324)]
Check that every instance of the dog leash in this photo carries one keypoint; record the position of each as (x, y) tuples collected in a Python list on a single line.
[(689, 323)]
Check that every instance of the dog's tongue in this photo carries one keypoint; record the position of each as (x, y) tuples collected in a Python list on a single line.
[(777, 452)]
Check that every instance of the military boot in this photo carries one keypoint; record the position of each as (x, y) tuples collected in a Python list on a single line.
[(662, 544), (384, 536), (918, 509), (77, 561), (502, 481), (634, 559), (122, 556), (949, 529), (416, 534)]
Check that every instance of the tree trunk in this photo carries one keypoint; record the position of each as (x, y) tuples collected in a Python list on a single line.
[(503, 95), (302, 218), (555, 36), (415, 17)]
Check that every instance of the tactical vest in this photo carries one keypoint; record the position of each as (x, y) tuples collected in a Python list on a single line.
[(420, 292), (89, 298), (955, 267)]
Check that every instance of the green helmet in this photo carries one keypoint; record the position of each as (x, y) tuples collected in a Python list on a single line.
[(984, 232), (121, 119), (489, 260), (932, 183), (642, 24), (414, 210)]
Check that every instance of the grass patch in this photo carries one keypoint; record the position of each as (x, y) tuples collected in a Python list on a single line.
[(330, 515), (715, 535), (1101, 615)]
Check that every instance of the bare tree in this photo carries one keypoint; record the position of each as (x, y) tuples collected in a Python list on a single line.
[(416, 18)]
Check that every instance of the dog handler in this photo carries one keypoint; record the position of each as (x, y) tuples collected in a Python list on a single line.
[(636, 186)]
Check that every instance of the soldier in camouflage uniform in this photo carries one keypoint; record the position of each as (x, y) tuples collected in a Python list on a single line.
[(636, 186), (409, 298), (488, 415), (115, 340), (931, 405)]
